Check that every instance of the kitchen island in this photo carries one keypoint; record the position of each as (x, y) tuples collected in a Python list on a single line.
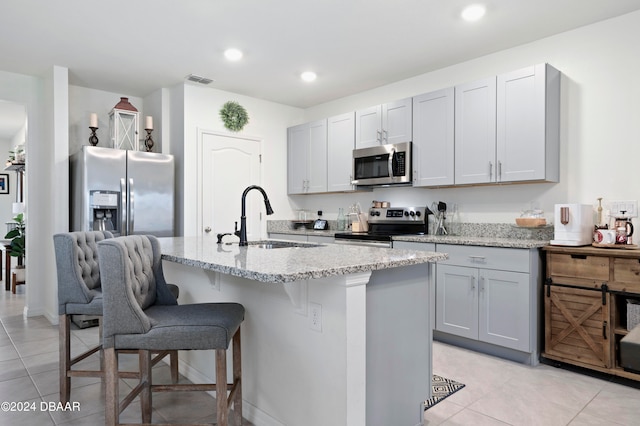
[(333, 335)]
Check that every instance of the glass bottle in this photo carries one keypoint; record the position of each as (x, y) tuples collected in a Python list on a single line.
[(342, 220)]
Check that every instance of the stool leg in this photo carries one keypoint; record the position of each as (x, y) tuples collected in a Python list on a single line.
[(13, 283), (173, 361), (112, 406), (221, 388), (64, 342), (145, 380), (237, 379)]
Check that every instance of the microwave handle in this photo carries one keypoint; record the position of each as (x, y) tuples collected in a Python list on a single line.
[(390, 163)]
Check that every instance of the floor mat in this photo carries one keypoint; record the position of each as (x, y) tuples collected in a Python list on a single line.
[(441, 388)]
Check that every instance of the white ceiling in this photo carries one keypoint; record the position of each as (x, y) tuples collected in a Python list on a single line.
[(135, 47)]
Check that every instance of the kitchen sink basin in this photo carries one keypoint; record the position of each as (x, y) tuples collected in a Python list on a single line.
[(266, 244)]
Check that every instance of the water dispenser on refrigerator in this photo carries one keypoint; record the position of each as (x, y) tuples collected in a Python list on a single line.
[(105, 211)]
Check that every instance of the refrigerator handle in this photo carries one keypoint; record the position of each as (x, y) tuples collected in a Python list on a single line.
[(123, 205), (131, 228)]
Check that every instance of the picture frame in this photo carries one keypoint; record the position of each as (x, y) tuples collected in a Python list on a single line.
[(4, 183)]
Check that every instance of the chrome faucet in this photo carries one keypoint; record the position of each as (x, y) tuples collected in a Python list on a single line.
[(243, 218)]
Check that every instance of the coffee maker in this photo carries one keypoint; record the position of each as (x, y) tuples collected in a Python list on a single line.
[(573, 225), (623, 227)]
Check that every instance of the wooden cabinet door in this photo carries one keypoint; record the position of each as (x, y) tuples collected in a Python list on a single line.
[(576, 325), (475, 127), (457, 300), (504, 309), (433, 132)]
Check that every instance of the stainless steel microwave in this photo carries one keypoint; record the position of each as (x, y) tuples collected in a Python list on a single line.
[(383, 165)]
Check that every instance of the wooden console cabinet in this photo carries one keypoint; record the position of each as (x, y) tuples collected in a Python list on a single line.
[(585, 305)]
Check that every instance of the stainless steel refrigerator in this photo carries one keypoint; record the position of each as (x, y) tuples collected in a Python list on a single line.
[(125, 192)]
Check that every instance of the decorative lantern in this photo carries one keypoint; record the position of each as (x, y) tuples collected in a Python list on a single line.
[(123, 125)]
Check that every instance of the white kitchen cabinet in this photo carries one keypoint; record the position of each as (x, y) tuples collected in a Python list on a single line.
[(475, 132), (384, 124), (487, 294), (307, 158), (433, 138), (507, 128), (527, 133), (340, 145)]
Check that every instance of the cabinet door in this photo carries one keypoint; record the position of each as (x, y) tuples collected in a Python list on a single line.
[(433, 131), (520, 133), (457, 300), (297, 154), (396, 121), (576, 325), (340, 145), (475, 130), (317, 159), (504, 309), (369, 127)]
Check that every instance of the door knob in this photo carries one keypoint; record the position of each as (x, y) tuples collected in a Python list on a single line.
[(207, 229)]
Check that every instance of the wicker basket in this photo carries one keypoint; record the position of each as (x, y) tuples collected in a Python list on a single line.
[(633, 313)]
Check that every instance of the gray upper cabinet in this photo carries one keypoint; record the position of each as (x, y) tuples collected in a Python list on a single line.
[(475, 132), (528, 124), (341, 136), (433, 138), (507, 128), (384, 124), (307, 158)]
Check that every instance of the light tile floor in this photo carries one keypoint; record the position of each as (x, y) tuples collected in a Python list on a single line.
[(497, 392)]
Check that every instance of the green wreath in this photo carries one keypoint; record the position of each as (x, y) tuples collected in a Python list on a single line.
[(234, 116)]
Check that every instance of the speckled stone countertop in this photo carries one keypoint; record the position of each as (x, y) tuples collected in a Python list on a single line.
[(282, 265), (471, 234)]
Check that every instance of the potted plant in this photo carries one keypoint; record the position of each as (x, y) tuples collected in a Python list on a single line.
[(17, 245)]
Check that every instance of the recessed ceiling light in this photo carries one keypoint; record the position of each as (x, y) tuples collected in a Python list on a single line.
[(233, 54), (308, 76), (473, 12)]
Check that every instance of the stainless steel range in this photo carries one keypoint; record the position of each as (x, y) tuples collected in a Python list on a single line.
[(387, 222)]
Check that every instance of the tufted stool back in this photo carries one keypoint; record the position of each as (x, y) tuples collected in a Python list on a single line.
[(78, 272)]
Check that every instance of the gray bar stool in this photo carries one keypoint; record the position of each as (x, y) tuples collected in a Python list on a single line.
[(140, 314), (79, 293)]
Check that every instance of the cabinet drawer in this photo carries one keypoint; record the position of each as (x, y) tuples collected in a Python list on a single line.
[(626, 275), (578, 266), (506, 259)]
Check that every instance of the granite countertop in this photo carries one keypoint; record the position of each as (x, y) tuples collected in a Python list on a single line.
[(282, 265)]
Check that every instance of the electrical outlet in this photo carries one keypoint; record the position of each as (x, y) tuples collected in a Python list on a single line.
[(630, 208), (315, 316)]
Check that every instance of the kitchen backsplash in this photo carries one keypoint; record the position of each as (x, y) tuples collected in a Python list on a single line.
[(492, 230)]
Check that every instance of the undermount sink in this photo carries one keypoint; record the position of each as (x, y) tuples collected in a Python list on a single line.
[(266, 244)]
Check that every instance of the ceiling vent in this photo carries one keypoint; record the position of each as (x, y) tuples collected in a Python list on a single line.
[(198, 79)]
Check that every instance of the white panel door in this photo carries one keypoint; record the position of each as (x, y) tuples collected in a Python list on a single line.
[(433, 143), (475, 127), (297, 158), (340, 145), (457, 300), (396, 121), (521, 125), (228, 165), (317, 161), (368, 127), (504, 309)]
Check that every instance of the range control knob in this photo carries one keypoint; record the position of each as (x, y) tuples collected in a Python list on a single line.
[(412, 213), (406, 213), (418, 213)]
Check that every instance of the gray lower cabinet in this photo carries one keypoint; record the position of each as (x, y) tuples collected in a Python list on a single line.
[(322, 239), (483, 304), (487, 299)]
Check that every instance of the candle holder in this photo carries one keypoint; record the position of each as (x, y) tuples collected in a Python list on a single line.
[(148, 142), (93, 139)]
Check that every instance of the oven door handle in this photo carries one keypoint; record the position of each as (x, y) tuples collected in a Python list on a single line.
[(365, 243)]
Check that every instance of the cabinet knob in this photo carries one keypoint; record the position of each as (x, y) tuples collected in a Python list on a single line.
[(207, 229)]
